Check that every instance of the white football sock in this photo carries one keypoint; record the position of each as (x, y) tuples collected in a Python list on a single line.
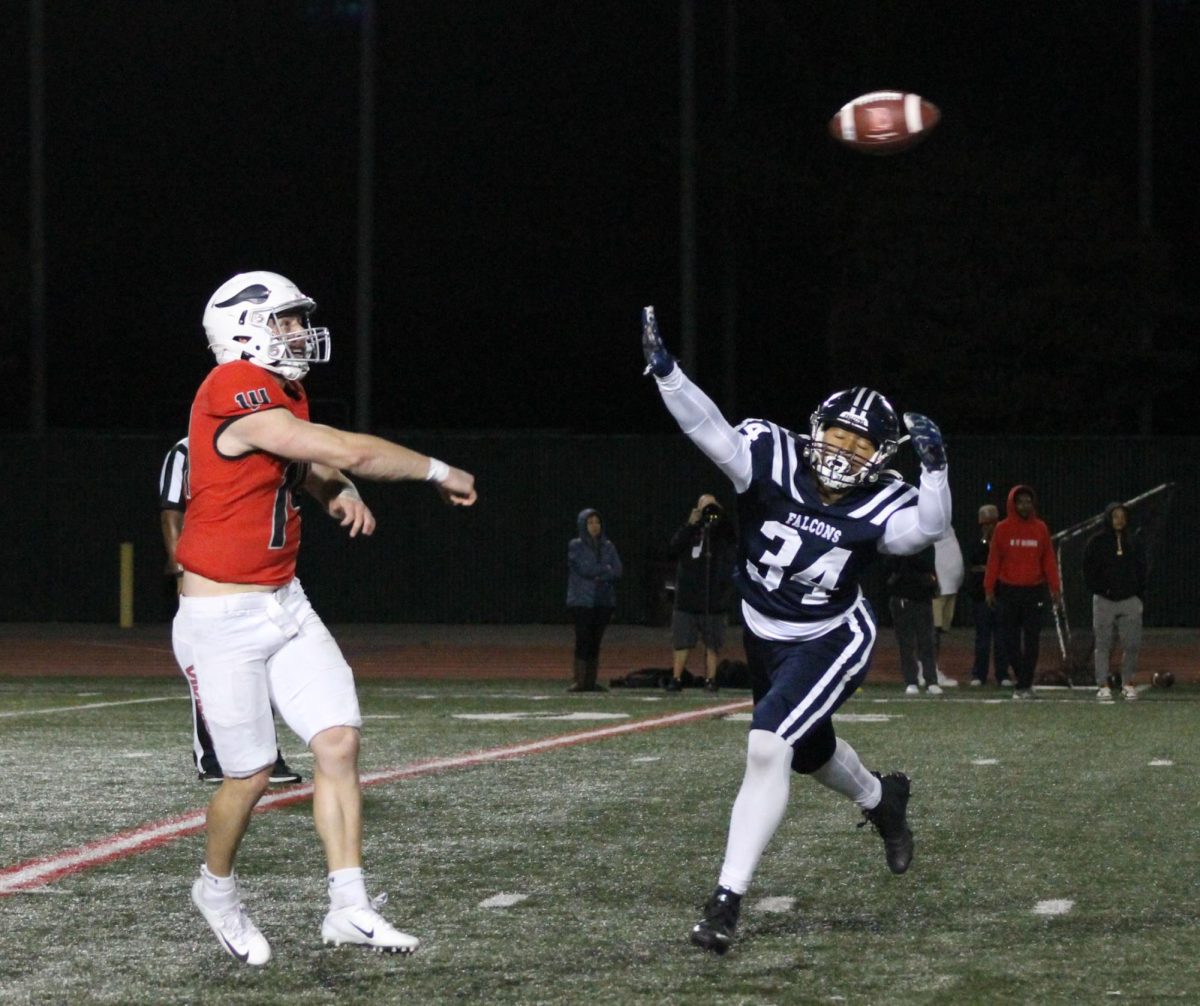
[(347, 887), (758, 809), (845, 773), (218, 892)]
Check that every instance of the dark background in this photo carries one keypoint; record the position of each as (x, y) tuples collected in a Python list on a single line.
[(527, 205)]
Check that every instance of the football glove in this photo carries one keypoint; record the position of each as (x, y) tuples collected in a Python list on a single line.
[(659, 362), (926, 440)]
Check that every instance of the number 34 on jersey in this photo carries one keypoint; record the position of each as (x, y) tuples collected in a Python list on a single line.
[(819, 577)]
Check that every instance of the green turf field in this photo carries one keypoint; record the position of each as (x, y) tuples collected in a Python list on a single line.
[(1019, 809)]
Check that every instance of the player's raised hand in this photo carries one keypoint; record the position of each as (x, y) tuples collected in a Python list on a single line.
[(659, 362), (926, 440)]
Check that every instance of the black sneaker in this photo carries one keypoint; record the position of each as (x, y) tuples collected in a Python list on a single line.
[(715, 931), (213, 775), (674, 685), (710, 685), (888, 818), (281, 775)]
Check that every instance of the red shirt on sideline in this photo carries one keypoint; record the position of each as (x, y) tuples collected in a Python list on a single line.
[(1021, 554), (242, 525)]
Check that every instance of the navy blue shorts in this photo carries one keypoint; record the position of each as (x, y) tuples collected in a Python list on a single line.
[(799, 685)]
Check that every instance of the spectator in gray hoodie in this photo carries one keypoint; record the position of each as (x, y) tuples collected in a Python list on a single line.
[(593, 568)]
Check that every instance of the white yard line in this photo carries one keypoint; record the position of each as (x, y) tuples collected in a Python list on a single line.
[(503, 900), (1055, 906), (45, 869), (89, 705)]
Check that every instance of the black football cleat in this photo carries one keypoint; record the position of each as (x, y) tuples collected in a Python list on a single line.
[(715, 931), (282, 775), (888, 818)]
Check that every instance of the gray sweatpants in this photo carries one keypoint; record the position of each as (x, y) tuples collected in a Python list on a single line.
[(1112, 620)]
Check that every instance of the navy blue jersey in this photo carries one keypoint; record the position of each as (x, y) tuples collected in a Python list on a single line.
[(800, 559)]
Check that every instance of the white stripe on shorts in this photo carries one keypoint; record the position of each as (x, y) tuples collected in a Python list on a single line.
[(833, 682)]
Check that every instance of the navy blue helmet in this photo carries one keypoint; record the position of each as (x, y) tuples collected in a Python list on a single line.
[(860, 411)]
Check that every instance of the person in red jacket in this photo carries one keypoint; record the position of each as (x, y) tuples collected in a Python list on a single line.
[(1020, 568)]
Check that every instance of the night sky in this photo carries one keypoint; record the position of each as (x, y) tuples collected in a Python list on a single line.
[(527, 191)]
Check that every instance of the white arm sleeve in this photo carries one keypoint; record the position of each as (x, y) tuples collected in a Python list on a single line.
[(912, 528), (699, 417)]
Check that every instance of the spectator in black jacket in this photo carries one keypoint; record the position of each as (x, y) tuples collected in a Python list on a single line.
[(704, 548), (989, 643), (1114, 568), (911, 584)]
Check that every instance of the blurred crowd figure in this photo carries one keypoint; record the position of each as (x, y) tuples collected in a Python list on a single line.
[(989, 645), (948, 565), (912, 583), (704, 550), (1021, 569), (1114, 568), (593, 569)]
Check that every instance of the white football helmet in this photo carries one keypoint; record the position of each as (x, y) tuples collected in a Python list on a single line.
[(240, 322)]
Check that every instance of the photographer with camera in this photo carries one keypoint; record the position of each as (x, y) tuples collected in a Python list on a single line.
[(704, 549)]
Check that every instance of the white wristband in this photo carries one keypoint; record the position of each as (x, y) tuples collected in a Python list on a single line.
[(438, 470), (351, 492)]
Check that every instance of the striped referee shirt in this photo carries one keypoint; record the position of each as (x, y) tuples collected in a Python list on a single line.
[(172, 480)]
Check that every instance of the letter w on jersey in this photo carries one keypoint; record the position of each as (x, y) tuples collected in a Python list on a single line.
[(252, 399)]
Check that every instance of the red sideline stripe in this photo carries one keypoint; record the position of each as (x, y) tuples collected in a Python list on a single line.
[(46, 869)]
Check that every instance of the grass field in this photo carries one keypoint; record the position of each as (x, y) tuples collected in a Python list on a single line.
[(611, 843)]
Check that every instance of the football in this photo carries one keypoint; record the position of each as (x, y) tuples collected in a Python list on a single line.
[(1163, 679), (884, 122)]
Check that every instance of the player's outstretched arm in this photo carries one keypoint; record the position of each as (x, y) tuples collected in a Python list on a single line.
[(696, 413), (278, 432)]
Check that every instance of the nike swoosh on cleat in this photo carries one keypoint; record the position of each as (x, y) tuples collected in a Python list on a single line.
[(369, 935), (243, 956)]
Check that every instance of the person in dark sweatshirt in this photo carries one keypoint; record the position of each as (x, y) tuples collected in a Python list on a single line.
[(912, 583), (1114, 568), (593, 568), (705, 551), (1020, 569)]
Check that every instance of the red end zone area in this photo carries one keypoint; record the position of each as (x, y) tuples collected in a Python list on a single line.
[(493, 652)]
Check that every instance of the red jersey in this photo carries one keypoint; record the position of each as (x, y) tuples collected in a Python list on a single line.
[(241, 523), (1021, 553)]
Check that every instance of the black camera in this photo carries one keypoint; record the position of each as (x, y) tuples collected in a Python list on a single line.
[(711, 514)]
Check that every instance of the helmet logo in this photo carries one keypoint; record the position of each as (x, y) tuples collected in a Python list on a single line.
[(855, 419), (243, 322), (255, 294)]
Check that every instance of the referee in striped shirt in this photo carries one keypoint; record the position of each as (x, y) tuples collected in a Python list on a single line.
[(172, 501)]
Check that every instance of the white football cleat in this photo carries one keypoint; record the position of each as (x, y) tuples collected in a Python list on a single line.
[(364, 926), (235, 932), (933, 690), (912, 690), (945, 680)]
